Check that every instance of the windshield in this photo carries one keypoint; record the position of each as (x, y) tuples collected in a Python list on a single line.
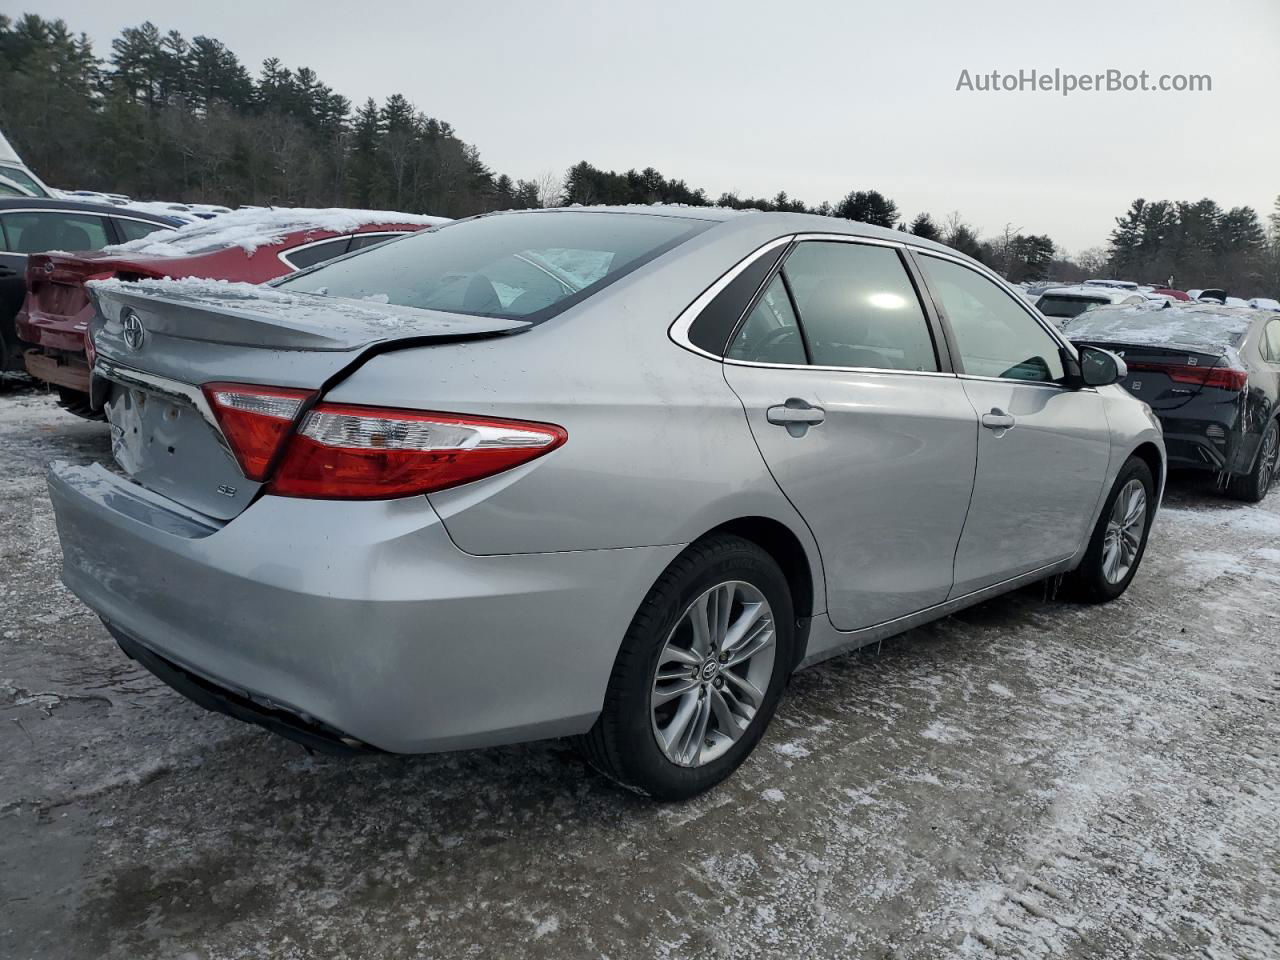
[(528, 266), (24, 180), (1059, 306)]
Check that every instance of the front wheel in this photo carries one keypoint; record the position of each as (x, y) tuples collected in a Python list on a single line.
[(699, 674), (1120, 538)]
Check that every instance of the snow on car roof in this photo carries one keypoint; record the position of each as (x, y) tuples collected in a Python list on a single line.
[(1099, 294), (1158, 323), (254, 228)]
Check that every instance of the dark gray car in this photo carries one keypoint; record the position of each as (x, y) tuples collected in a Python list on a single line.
[(1212, 375)]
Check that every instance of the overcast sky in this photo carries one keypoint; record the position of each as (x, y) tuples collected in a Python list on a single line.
[(816, 98)]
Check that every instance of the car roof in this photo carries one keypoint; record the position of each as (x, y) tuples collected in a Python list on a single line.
[(48, 203), (756, 219)]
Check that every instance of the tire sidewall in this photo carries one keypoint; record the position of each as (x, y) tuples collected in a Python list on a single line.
[(643, 759), (1095, 581)]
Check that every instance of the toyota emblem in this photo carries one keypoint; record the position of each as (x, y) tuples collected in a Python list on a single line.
[(134, 332)]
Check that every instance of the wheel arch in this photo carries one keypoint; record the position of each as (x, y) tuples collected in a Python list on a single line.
[(1149, 454), (800, 569)]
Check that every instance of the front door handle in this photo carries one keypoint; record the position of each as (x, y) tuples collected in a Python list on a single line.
[(997, 420), (796, 412)]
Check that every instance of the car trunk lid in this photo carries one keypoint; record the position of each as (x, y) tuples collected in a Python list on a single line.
[(1170, 377), (157, 343)]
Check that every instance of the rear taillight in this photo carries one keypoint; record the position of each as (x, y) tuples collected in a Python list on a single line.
[(254, 420), (1225, 378), (362, 453)]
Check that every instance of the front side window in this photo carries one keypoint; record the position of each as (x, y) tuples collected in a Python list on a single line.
[(519, 266), (858, 307), (44, 230), (994, 336), (770, 333), (137, 229)]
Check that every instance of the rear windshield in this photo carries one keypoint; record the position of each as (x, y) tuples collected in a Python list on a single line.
[(1053, 306), (526, 266), (1153, 326)]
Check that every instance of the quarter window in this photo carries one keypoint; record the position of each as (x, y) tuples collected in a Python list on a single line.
[(309, 256), (994, 336), (858, 307), (41, 231), (770, 333)]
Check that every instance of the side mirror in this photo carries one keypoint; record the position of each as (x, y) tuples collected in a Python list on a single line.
[(1100, 368)]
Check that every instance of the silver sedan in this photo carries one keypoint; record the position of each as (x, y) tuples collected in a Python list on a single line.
[(603, 473)]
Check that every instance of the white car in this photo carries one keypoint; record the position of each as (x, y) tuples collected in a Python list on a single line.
[(1061, 304)]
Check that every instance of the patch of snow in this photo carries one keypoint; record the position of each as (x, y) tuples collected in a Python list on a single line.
[(1195, 325), (773, 795), (253, 228)]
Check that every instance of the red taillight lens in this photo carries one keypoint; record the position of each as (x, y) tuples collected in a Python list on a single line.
[(254, 420), (1225, 378), (366, 453)]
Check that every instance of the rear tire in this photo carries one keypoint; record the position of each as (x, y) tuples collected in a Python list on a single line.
[(641, 706), (1252, 487), (1118, 543)]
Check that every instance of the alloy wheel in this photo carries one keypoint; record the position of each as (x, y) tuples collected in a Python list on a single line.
[(1125, 527), (713, 673), (1269, 455)]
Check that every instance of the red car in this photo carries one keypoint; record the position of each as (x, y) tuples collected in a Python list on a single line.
[(1170, 292), (253, 246)]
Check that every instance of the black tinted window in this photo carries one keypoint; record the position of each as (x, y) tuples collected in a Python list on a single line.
[(317, 253), (858, 307), (1065, 307), (520, 266), (770, 333), (137, 229), (362, 240)]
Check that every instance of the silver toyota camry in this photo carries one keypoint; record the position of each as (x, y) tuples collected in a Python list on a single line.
[(612, 474)]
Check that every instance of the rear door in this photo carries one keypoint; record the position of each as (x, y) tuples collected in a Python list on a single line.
[(860, 423), (1043, 447)]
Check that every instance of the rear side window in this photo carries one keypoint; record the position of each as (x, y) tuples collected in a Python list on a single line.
[(1271, 342), (316, 253), (858, 307), (526, 266), (995, 336), (41, 231), (1066, 307), (137, 229)]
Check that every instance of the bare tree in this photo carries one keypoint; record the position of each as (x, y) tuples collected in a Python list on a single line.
[(550, 188)]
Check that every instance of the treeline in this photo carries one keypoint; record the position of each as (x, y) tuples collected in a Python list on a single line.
[(164, 117), (1198, 244)]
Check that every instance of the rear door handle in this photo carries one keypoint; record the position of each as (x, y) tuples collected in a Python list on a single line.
[(796, 412), (997, 419)]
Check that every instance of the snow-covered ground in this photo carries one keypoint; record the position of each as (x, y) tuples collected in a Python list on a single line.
[(1030, 778)]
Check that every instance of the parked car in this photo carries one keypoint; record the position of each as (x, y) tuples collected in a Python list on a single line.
[(249, 245), (1265, 303), (1129, 285), (1171, 293), (611, 473), (32, 225), (13, 170), (1061, 304), (1212, 376)]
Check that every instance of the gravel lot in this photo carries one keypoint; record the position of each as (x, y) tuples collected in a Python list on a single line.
[(1029, 778)]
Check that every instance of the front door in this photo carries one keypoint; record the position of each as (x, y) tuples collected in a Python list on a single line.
[(1043, 447), (874, 446)]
